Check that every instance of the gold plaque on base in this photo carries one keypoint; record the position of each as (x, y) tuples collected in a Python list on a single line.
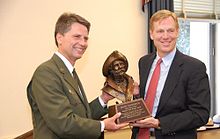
[(130, 111)]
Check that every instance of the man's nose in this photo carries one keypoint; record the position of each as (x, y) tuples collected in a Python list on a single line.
[(121, 65), (83, 42), (165, 35)]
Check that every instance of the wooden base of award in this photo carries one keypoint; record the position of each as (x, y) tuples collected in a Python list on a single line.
[(130, 111)]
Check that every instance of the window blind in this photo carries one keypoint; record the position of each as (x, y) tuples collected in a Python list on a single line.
[(203, 9), (217, 3)]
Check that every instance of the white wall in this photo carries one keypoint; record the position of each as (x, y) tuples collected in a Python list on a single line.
[(26, 36)]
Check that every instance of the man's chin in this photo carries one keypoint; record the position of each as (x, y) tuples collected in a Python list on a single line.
[(79, 55)]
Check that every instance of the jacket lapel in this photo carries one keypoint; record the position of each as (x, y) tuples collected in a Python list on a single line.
[(84, 99), (144, 73), (171, 81), (67, 76)]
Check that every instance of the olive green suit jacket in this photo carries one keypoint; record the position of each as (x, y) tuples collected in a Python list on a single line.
[(58, 109)]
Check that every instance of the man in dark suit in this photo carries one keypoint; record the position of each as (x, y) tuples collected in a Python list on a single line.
[(182, 101), (59, 105)]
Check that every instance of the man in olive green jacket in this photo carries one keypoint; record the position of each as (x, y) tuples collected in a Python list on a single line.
[(58, 102)]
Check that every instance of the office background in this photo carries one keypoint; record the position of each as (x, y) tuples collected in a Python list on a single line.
[(27, 40)]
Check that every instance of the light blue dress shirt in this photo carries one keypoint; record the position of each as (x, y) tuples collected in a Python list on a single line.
[(164, 69)]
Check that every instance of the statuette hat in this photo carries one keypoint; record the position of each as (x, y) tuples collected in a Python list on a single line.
[(115, 55)]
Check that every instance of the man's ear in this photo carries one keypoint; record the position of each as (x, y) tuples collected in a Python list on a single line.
[(59, 38), (151, 35)]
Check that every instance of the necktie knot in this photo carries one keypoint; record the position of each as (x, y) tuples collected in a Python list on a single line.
[(74, 74), (74, 71), (159, 61)]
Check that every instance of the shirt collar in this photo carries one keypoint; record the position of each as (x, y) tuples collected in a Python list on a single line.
[(167, 60), (65, 61)]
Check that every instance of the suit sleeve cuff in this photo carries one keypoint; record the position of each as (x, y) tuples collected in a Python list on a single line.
[(102, 126), (102, 102)]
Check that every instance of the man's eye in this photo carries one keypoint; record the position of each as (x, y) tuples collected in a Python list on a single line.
[(76, 36), (86, 38), (160, 31), (171, 30)]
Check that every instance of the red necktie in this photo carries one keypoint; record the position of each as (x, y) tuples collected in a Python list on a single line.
[(144, 133)]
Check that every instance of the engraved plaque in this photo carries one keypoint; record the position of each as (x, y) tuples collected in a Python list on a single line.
[(130, 111)]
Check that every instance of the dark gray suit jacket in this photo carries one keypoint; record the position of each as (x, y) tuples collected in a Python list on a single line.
[(185, 100), (58, 110)]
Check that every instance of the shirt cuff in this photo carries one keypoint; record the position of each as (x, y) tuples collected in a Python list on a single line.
[(102, 126), (102, 102)]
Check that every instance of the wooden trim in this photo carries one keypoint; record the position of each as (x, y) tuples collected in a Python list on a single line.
[(27, 135)]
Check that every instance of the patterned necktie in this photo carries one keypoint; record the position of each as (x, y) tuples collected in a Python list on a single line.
[(79, 86), (81, 94), (75, 77), (144, 133)]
